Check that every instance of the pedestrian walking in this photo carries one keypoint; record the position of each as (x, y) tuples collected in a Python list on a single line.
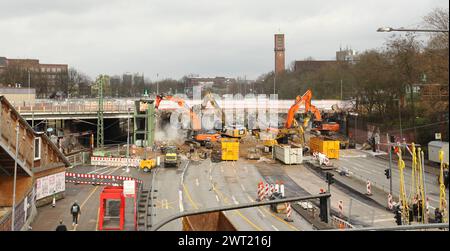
[(75, 210), (61, 226)]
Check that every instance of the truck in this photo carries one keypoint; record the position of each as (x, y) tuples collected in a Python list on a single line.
[(171, 156), (433, 151)]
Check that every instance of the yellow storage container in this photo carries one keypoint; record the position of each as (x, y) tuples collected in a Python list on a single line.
[(230, 149), (328, 147)]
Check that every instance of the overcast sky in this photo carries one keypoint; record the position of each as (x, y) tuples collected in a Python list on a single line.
[(207, 37)]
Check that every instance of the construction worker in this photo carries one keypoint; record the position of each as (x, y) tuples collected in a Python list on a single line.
[(61, 226), (75, 210), (437, 216), (446, 178)]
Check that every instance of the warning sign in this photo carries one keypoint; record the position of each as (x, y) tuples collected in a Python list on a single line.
[(129, 188)]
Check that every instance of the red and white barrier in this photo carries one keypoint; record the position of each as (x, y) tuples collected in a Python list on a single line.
[(390, 202), (341, 208), (261, 192), (272, 188), (369, 188), (282, 189), (267, 191), (288, 212), (277, 187), (101, 176), (107, 161)]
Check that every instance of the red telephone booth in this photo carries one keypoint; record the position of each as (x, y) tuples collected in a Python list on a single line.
[(110, 210)]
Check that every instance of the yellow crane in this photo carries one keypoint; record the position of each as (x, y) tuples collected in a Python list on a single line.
[(442, 200), (403, 198)]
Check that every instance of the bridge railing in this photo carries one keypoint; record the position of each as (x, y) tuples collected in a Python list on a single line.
[(74, 106), (122, 105)]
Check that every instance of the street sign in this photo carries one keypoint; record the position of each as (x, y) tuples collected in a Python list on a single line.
[(129, 188), (437, 136)]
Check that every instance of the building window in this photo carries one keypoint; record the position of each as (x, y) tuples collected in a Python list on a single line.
[(37, 148)]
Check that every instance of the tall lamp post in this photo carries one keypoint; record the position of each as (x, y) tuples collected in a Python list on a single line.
[(389, 29)]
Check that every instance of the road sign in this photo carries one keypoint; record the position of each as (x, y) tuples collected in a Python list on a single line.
[(129, 188), (438, 136)]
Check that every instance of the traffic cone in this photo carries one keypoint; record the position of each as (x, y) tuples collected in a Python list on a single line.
[(277, 187), (260, 195), (288, 212), (282, 189), (369, 188)]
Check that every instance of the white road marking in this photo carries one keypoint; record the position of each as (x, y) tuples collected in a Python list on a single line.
[(276, 229), (96, 170), (234, 200), (384, 219), (221, 169), (180, 193), (217, 198), (196, 182), (250, 198), (262, 214), (243, 188)]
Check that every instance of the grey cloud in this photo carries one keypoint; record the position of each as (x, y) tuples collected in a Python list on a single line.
[(177, 37)]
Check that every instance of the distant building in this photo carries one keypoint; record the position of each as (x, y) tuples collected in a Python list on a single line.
[(279, 53), (346, 55), (304, 66), (47, 79), (208, 82)]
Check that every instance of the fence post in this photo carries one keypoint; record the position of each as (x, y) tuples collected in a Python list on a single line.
[(350, 210)]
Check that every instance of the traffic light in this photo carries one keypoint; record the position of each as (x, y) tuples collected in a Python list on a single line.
[(398, 217), (330, 179), (387, 172), (323, 210)]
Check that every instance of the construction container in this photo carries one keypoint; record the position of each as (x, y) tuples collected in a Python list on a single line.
[(230, 149), (433, 151), (215, 221), (328, 147), (289, 154)]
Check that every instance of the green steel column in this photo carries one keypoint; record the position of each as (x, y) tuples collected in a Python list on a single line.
[(100, 127), (150, 123), (135, 124)]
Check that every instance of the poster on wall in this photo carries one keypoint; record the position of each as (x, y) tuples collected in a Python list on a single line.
[(45, 186)]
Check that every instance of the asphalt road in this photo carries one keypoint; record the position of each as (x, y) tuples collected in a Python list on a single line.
[(209, 184), (372, 168), (355, 208)]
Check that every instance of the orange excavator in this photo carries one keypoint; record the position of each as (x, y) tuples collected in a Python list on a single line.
[(200, 136), (318, 124)]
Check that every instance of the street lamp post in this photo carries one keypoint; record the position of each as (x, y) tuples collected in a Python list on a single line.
[(389, 29), (128, 142)]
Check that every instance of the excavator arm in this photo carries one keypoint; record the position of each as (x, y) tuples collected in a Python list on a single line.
[(196, 122), (299, 100)]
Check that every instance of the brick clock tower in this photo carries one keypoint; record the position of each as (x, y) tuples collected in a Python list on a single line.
[(279, 53)]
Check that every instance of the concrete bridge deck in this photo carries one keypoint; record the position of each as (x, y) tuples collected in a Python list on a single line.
[(118, 108)]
